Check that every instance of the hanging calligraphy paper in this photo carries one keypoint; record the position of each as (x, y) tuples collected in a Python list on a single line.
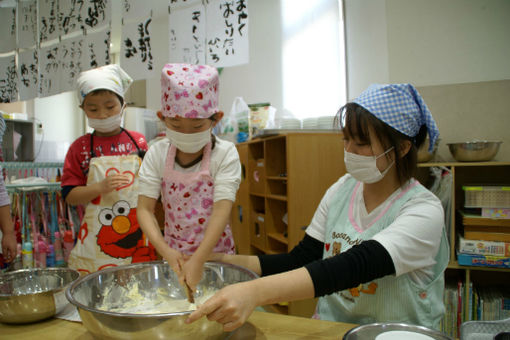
[(49, 71), (96, 13), (8, 29), (28, 74), (70, 18), (70, 55), (227, 33), (48, 20), (186, 34), (27, 23), (136, 51), (96, 50), (8, 79)]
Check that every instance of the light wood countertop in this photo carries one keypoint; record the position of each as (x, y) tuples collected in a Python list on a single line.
[(260, 325)]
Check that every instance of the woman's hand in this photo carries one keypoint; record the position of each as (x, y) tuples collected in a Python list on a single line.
[(231, 306)]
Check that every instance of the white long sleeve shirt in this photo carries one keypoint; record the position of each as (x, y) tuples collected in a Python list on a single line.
[(225, 169)]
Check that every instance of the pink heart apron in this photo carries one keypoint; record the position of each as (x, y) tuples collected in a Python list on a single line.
[(188, 201)]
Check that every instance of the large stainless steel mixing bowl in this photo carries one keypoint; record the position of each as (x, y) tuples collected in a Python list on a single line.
[(106, 287), (475, 151), (29, 295)]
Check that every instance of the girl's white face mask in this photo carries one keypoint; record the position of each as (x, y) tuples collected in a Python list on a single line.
[(107, 124), (364, 168), (189, 142)]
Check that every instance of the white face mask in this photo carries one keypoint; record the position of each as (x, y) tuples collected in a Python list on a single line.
[(364, 168), (107, 124), (189, 142)]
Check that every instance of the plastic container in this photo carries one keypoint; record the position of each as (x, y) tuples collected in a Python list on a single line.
[(486, 196), (59, 252), (40, 257), (50, 256), (68, 244), (27, 255)]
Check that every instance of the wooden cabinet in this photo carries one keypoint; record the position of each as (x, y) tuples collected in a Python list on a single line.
[(479, 173), (284, 177)]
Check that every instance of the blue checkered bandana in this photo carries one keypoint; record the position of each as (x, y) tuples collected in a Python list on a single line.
[(401, 107)]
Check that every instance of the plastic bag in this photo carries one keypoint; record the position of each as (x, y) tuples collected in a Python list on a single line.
[(235, 126)]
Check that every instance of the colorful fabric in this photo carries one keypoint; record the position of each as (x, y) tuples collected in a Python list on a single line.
[(76, 164), (109, 77), (188, 203), (401, 107), (189, 91)]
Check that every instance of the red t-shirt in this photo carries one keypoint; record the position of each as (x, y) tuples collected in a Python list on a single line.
[(76, 164)]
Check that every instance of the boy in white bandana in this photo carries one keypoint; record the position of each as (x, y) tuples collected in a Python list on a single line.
[(100, 171)]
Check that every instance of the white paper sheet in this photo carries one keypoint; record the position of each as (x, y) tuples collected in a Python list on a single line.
[(227, 33), (48, 20), (8, 79), (70, 54), (70, 19), (96, 49), (28, 74), (186, 33), (136, 50), (49, 71), (27, 23), (97, 13), (8, 29)]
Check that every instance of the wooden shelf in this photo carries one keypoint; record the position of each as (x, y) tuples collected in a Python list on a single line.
[(461, 164), (277, 197), (277, 178), (484, 221), (278, 237), (257, 194)]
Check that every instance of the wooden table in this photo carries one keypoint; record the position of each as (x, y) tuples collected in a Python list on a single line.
[(260, 325)]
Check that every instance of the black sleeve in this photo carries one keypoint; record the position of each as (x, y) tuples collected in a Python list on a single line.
[(308, 250), (360, 264), (66, 189)]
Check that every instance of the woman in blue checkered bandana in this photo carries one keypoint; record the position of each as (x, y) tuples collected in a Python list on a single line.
[(375, 250)]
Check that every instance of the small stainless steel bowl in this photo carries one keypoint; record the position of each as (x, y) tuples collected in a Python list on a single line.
[(91, 293), (475, 151), (372, 330), (30, 295)]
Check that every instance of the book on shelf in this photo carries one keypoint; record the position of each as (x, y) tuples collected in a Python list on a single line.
[(483, 260), (483, 247)]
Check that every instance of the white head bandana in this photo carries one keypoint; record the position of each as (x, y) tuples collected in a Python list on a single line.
[(109, 77)]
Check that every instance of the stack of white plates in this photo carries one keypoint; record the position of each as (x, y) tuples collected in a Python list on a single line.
[(290, 124), (310, 123), (326, 122)]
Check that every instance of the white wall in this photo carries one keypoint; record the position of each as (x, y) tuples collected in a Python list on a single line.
[(426, 42)]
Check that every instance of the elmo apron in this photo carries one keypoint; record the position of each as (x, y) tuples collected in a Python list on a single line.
[(110, 235), (188, 201)]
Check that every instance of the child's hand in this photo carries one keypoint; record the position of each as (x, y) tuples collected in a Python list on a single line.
[(174, 259), (113, 182), (192, 271)]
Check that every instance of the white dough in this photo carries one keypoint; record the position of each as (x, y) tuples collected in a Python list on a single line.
[(402, 335)]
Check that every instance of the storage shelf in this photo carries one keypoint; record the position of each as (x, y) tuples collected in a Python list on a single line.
[(278, 237), (278, 197), (257, 194), (277, 178)]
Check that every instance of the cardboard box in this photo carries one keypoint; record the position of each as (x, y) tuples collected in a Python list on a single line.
[(483, 260), (481, 247)]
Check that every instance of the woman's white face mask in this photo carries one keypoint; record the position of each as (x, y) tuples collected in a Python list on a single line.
[(107, 124), (364, 168), (189, 142)]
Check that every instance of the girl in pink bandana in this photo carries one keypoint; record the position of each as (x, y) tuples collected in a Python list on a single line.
[(195, 173)]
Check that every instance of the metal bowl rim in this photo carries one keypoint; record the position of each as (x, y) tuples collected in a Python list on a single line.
[(398, 324), (475, 142), (71, 288), (49, 269)]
